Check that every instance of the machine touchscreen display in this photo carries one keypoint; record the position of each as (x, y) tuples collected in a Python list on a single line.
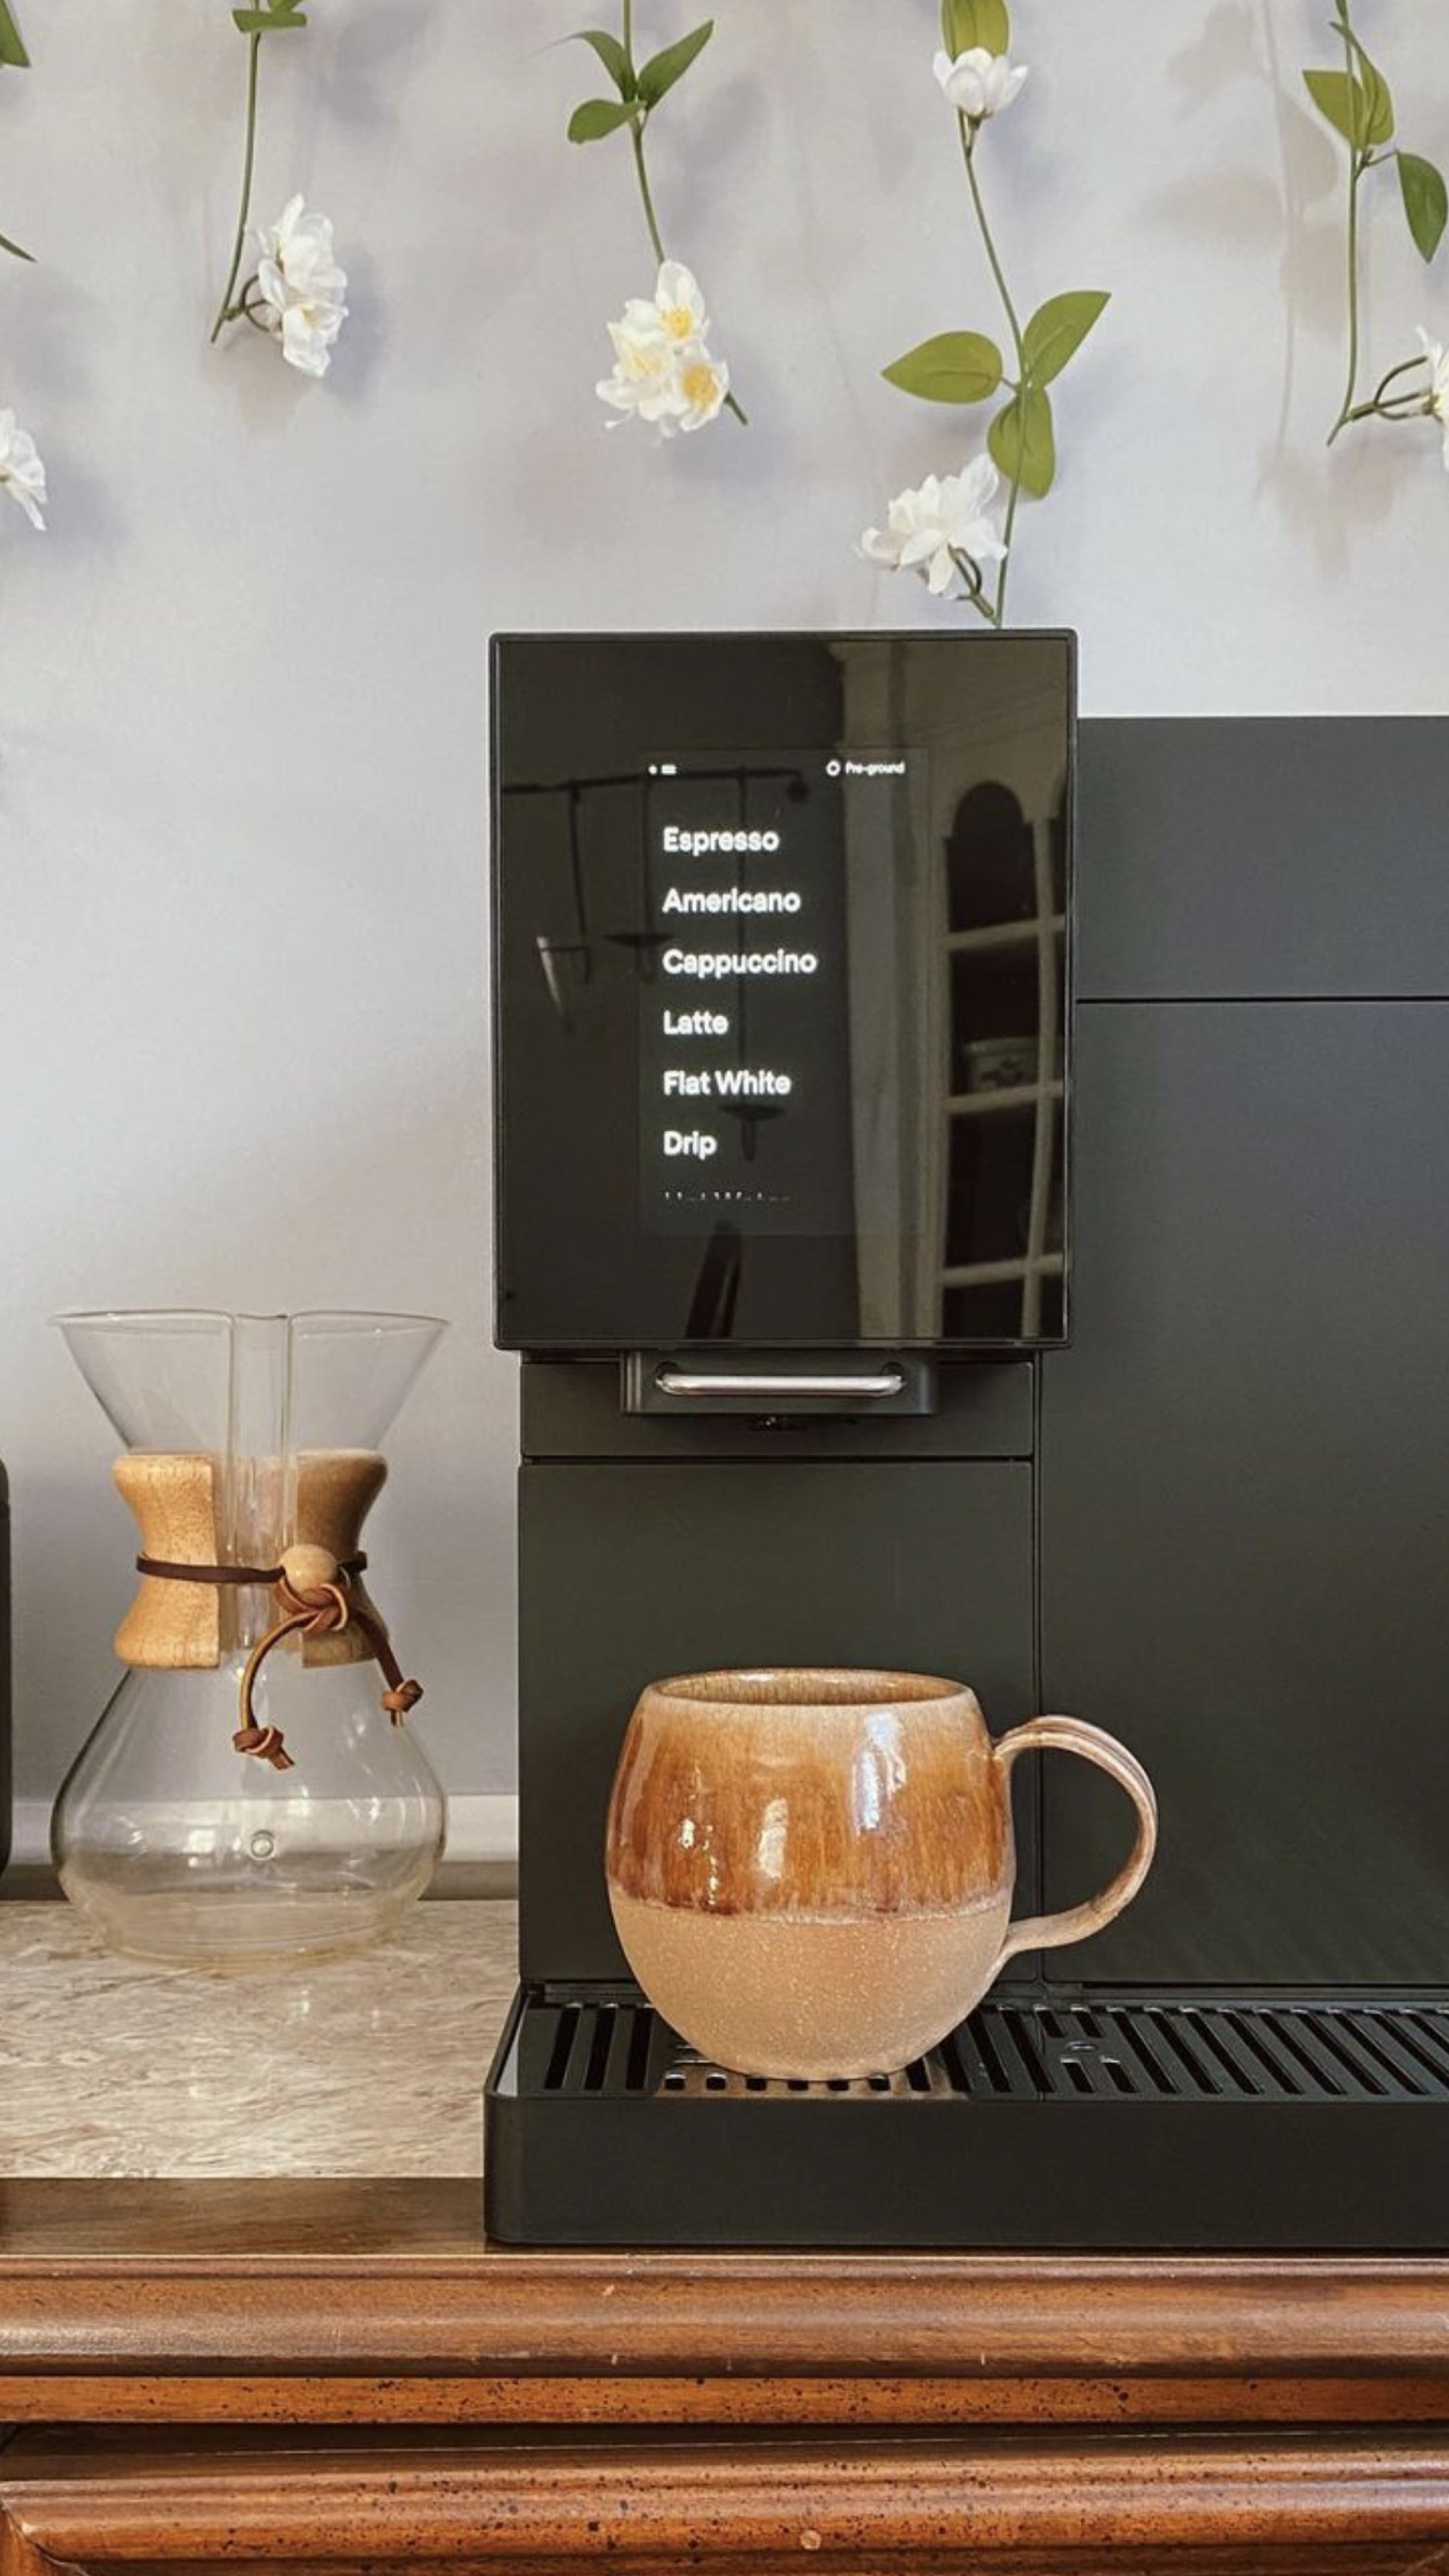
[(782, 955)]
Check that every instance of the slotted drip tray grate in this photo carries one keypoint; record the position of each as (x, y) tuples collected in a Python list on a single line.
[(1063, 2118), (1158, 2049)]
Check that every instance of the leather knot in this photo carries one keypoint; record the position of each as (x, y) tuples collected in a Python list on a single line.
[(314, 1594), (266, 1742), (311, 1581), (320, 1609)]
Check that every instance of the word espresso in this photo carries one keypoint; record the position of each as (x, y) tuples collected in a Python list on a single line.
[(678, 843)]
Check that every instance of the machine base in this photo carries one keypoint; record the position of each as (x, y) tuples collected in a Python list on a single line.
[(1063, 2118)]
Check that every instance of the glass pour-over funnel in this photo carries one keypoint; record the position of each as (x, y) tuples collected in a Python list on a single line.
[(254, 1791)]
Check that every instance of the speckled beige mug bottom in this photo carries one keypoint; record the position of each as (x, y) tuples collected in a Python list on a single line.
[(813, 1996)]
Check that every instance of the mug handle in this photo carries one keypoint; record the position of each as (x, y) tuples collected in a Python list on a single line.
[(1074, 1735)]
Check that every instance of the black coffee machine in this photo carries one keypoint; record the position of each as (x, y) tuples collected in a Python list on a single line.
[(1046, 1288)]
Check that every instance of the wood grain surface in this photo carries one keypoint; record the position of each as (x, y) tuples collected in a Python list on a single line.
[(1255, 2504), (381, 2299), (340, 2378)]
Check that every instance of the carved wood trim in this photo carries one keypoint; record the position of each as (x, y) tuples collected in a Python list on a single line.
[(300, 2280), (211, 2397), (300, 2321), (1238, 2506)]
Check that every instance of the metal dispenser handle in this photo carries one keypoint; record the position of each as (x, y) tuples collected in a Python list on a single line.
[(655, 1382), (866, 1382)]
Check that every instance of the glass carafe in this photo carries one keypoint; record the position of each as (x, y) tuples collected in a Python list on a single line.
[(253, 1792)]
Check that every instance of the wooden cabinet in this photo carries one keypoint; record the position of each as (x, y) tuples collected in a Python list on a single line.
[(340, 2376)]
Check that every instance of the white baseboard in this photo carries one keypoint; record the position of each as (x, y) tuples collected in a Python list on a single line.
[(482, 1827), (30, 1833)]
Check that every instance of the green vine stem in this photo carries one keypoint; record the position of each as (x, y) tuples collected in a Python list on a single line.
[(636, 137), (1359, 158), (1356, 169), (994, 611), (970, 572), (637, 122), (1358, 104), (228, 311), (1382, 405), (1021, 362)]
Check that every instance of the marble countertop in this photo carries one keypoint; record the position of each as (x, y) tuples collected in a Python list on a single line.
[(370, 2065)]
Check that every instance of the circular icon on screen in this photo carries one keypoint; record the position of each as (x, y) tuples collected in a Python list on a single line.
[(832, 769)]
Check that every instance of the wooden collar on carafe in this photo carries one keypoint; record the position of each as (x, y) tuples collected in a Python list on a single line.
[(180, 1620), (315, 1596)]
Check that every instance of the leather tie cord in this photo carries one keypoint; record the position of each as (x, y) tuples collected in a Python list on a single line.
[(310, 1609)]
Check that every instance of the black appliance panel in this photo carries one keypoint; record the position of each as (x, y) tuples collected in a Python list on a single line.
[(630, 1571), (1243, 1513), (1261, 857), (1245, 1473), (782, 955)]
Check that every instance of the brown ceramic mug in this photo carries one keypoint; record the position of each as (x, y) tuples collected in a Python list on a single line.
[(811, 1871)]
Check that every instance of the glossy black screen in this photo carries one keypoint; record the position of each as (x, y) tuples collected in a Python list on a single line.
[(781, 989)]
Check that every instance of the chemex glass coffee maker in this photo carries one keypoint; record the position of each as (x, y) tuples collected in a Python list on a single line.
[(973, 1201)]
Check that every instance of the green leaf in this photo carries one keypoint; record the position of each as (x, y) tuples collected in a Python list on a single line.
[(1339, 99), (1380, 105), (612, 55), (663, 70), (1361, 110), (1021, 442), (598, 117), (955, 367), (15, 250), (12, 43), (1426, 202), (968, 23), (272, 21), (1057, 329)]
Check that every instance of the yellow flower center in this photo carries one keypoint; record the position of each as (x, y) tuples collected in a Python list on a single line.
[(699, 385), (679, 322)]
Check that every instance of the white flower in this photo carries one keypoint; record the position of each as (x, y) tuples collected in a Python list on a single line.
[(702, 383), (1437, 359), (645, 381), (929, 530), (22, 473), (979, 84), (676, 316), (302, 287), (663, 370), (297, 251)]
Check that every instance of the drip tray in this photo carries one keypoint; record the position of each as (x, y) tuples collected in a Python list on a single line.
[(1067, 2118)]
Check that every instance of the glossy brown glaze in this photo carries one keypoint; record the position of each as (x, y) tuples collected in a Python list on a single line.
[(809, 1792), (811, 1870)]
